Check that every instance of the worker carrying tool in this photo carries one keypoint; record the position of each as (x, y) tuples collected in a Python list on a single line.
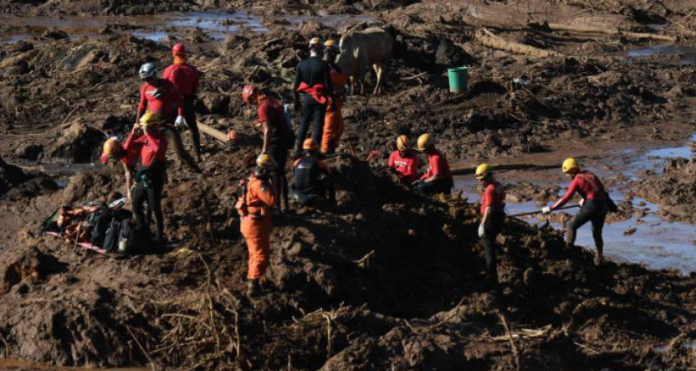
[(113, 150), (404, 162), (162, 98), (278, 136), (312, 89), (150, 174), (595, 204), (255, 207), (312, 178), (493, 216), (438, 177), (186, 79), (333, 122)]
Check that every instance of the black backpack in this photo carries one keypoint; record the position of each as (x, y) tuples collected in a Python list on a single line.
[(112, 235), (127, 239), (98, 223)]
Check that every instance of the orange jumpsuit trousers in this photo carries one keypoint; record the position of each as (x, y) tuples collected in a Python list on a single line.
[(256, 225), (333, 121)]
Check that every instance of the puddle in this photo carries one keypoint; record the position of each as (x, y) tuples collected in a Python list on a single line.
[(687, 54), (216, 24), (655, 243), (688, 345)]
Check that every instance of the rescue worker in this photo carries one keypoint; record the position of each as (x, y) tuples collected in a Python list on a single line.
[(404, 161), (277, 137), (161, 97), (113, 150), (333, 122), (438, 177), (150, 174), (312, 90), (595, 204), (186, 79), (312, 178), (492, 216), (255, 208)]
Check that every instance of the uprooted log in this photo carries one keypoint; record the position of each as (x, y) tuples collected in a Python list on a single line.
[(217, 134), (610, 31), (488, 39)]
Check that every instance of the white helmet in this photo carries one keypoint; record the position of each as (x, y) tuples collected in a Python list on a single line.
[(147, 70)]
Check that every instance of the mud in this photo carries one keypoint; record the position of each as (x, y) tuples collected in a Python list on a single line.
[(388, 280)]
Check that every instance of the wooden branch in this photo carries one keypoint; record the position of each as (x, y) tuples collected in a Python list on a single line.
[(488, 39), (610, 31)]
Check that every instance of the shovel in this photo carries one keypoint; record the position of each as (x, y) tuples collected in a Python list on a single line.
[(539, 211)]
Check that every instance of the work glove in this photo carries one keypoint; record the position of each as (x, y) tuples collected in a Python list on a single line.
[(180, 122), (481, 231), (582, 202), (545, 210)]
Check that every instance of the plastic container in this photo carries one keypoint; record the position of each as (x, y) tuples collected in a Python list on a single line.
[(458, 79)]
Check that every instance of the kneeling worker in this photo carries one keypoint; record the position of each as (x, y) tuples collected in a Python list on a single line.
[(255, 208), (404, 161), (595, 205), (493, 216), (438, 178), (308, 184)]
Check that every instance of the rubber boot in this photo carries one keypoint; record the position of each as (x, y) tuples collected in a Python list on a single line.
[(253, 288), (598, 258)]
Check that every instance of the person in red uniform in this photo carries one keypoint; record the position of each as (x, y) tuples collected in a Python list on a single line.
[(278, 137), (255, 207), (595, 205), (150, 174), (492, 216), (113, 150), (186, 79), (333, 121), (438, 177), (404, 162)]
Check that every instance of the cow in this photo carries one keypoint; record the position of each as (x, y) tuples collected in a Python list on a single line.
[(362, 49)]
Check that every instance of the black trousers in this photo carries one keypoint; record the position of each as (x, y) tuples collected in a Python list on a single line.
[(190, 116), (494, 225), (313, 112), (148, 189), (324, 188), (436, 186), (279, 154), (592, 211)]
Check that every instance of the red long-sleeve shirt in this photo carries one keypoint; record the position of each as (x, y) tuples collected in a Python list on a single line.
[(438, 165), (406, 166), (185, 77), (152, 145), (164, 104), (493, 196), (587, 185)]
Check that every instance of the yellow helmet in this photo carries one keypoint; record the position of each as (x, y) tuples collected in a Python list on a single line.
[(150, 120), (330, 44), (570, 166), (424, 142), (265, 161), (315, 41), (111, 146), (402, 143), (483, 171)]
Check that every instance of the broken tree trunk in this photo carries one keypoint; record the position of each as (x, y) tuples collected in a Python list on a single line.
[(488, 39), (610, 31), (217, 134)]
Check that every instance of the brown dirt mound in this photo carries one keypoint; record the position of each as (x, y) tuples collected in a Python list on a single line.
[(674, 190)]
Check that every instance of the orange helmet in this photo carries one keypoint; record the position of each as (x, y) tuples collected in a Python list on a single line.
[(310, 144), (248, 92)]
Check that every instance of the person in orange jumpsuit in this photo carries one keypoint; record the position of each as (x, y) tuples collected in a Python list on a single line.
[(333, 121), (255, 208)]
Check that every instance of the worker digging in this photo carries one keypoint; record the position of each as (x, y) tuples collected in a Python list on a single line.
[(417, 222)]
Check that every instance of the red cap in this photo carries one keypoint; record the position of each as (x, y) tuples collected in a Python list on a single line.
[(105, 158), (248, 92), (178, 49)]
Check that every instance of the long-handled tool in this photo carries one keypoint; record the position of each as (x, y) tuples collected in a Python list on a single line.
[(539, 211)]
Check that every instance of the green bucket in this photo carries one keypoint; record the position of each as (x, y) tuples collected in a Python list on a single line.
[(458, 79)]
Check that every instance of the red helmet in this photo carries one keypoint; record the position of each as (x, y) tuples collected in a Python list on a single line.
[(248, 92), (178, 49)]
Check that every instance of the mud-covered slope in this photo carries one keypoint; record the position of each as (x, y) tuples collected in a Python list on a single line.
[(386, 279), (674, 190)]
